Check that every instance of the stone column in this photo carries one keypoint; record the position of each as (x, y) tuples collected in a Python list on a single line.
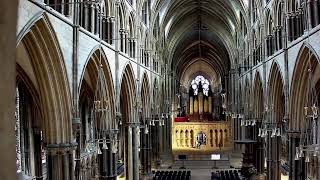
[(121, 40), (37, 153), (129, 174), (134, 48), (275, 158), (269, 158), (92, 16), (315, 12), (126, 42), (103, 29), (260, 167), (135, 153), (130, 47), (8, 11), (309, 15), (112, 30), (60, 162)]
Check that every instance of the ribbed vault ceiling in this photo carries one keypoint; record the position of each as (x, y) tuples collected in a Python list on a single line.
[(179, 23)]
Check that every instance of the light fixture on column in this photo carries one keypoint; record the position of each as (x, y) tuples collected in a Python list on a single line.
[(309, 134), (269, 125), (104, 145), (105, 126), (254, 122), (146, 130), (310, 131)]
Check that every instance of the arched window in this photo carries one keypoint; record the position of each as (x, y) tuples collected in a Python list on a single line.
[(121, 29), (279, 29), (132, 42), (200, 81), (144, 12), (62, 6), (254, 11), (270, 36)]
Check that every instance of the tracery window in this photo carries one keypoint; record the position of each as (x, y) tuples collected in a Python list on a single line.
[(200, 81), (62, 6)]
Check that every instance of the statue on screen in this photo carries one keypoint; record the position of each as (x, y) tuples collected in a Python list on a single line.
[(201, 139)]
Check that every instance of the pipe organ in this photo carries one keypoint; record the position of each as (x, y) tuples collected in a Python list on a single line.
[(201, 129), (200, 104)]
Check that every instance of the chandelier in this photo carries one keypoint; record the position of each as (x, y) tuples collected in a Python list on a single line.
[(104, 131), (152, 122), (269, 125), (309, 138)]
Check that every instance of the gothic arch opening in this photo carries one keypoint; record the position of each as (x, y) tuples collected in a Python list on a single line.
[(258, 110), (95, 90), (274, 114), (145, 136), (129, 131), (40, 60), (305, 92)]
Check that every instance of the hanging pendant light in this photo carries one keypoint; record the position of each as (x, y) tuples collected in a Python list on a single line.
[(259, 134), (253, 122), (278, 133), (297, 154), (307, 158), (264, 133), (273, 133), (301, 154), (114, 148), (104, 146), (98, 149)]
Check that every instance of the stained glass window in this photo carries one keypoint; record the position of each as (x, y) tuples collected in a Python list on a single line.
[(17, 130), (200, 81)]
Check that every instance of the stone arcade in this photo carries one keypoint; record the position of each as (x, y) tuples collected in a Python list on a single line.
[(138, 89)]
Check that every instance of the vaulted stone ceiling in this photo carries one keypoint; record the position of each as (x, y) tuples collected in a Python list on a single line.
[(215, 43)]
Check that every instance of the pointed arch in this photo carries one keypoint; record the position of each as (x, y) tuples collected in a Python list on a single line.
[(279, 13), (145, 95), (127, 93), (51, 78), (276, 92), (97, 59), (246, 95), (307, 62), (258, 101)]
